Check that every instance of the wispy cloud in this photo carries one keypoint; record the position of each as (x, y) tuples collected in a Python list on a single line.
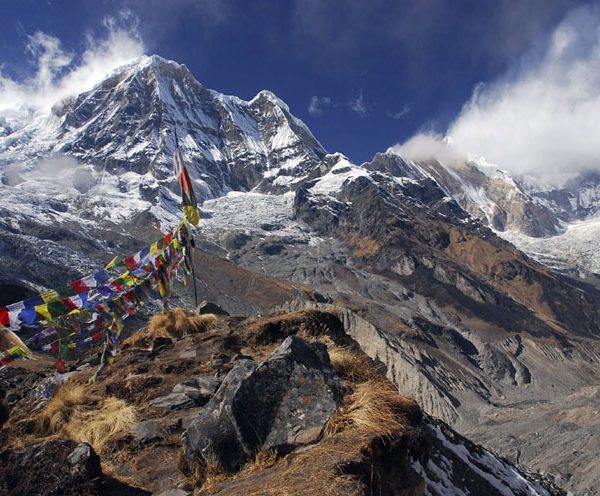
[(359, 104), (318, 104), (60, 74), (331, 32), (398, 115), (429, 146), (541, 117)]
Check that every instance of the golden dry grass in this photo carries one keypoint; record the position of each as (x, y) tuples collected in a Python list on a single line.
[(98, 426), (374, 407), (349, 365), (136, 340), (57, 413), (78, 414), (179, 323), (208, 474), (265, 458)]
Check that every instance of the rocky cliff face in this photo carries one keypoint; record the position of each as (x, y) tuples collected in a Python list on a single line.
[(114, 144), (487, 193)]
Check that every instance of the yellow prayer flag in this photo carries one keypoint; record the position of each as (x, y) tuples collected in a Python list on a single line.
[(48, 296), (112, 263), (43, 311)]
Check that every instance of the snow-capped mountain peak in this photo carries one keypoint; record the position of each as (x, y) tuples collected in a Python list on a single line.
[(123, 131)]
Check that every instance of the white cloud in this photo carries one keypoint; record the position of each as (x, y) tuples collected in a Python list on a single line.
[(317, 105), (61, 74), (542, 118), (429, 146), (359, 105)]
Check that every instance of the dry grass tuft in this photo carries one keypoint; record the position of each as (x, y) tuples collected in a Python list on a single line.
[(208, 474), (78, 414), (179, 323), (136, 340), (374, 407), (97, 427), (351, 366), (57, 413), (264, 459)]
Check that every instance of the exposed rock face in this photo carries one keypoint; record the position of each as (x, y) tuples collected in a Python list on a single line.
[(492, 196), (209, 307), (282, 403), (449, 463), (173, 401)]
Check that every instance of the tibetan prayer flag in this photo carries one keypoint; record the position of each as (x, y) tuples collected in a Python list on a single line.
[(49, 296), (43, 311), (188, 198), (4, 317)]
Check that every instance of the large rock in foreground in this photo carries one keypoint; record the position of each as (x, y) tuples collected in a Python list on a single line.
[(55, 467), (282, 403), (59, 467)]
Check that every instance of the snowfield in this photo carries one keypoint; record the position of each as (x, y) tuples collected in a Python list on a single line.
[(577, 248)]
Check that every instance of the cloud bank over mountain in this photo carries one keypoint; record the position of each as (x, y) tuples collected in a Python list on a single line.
[(540, 118), (60, 74)]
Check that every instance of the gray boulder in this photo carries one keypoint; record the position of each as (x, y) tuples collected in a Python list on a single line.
[(147, 431), (282, 403), (200, 389)]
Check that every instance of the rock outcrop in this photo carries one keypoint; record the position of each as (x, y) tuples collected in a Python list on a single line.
[(57, 468), (282, 403)]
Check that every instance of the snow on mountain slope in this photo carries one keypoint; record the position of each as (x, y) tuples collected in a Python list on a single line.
[(116, 142), (481, 189), (251, 213), (554, 225), (343, 171), (578, 248), (453, 457)]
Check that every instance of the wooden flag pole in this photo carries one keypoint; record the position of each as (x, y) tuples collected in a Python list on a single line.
[(190, 242)]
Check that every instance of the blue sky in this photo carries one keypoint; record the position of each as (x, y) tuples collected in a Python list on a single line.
[(364, 75)]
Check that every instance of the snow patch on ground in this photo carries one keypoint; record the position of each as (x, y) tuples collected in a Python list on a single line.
[(442, 475)]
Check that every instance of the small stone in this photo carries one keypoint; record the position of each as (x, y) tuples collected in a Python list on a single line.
[(200, 389), (175, 492), (208, 384), (147, 431), (208, 307), (83, 460), (173, 401)]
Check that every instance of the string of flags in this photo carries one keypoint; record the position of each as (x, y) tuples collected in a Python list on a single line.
[(91, 309)]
